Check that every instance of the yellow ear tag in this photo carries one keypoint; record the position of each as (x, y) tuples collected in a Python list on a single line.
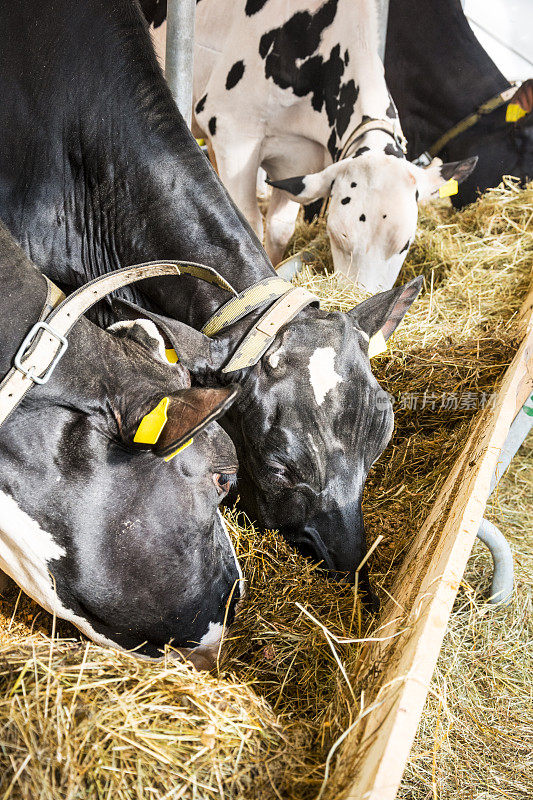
[(514, 112), (152, 424), (377, 345), (200, 142), (175, 453), (172, 356), (449, 188)]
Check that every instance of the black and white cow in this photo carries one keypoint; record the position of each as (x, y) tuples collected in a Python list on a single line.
[(129, 547), (282, 85), (438, 74), (98, 170)]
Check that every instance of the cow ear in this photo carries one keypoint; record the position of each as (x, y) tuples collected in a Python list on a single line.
[(430, 179), (189, 413), (523, 97), (384, 311), (195, 351), (308, 188), (177, 419)]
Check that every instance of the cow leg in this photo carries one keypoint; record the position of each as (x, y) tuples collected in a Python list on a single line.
[(237, 159), (280, 222)]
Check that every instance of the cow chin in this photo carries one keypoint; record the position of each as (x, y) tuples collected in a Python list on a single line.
[(372, 273), (379, 275)]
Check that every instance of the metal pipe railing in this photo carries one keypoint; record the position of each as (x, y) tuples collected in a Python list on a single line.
[(383, 17), (501, 589), (179, 55)]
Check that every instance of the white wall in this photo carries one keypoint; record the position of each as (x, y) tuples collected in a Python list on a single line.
[(504, 26)]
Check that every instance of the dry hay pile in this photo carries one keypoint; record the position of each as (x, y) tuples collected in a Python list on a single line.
[(79, 721), (475, 738)]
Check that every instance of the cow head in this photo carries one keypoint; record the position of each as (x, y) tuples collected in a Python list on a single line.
[(504, 148), (373, 208), (309, 423), (110, 530)]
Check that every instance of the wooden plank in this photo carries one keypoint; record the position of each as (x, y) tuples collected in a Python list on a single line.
[(425, 588)]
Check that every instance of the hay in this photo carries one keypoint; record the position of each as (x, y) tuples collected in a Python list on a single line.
[(79, 721), (476, 734)]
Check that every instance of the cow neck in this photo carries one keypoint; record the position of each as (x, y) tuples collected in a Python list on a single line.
[(486, 108), (115, 176), (175, 204), (213, 232), (366, 127), (452, 75), (284, 302), (179, 212)]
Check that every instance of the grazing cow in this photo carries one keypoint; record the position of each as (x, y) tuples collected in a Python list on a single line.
[(439, 74), (129, 547), (298, 89), (98, 170)]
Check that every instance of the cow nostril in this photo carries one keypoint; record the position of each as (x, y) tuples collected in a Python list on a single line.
[(311, 545)]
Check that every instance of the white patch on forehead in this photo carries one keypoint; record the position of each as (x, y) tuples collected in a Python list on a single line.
[(213, 635), (322, 373), (151, 330), (25, 553)]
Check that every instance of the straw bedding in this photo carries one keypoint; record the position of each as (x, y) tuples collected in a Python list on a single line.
[(79, 721), (476, 733)]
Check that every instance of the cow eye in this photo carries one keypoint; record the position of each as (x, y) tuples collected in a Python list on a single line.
[(278, 473), (224, 481)]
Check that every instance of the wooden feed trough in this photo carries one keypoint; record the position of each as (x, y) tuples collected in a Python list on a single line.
[(425, 588)]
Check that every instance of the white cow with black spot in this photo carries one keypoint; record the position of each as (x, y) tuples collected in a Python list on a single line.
[(283, 85)]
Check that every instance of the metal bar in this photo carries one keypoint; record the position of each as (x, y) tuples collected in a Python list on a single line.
[(180, 53), (501, 587), (503, 576), (383, 17)]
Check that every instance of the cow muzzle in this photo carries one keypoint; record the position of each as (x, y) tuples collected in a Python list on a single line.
[(341, 565)]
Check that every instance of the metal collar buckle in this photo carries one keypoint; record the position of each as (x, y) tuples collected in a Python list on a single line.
[(25, 346)]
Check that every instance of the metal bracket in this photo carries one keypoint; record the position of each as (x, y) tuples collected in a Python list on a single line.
[(27, 343), (503, 576), (501, 587)]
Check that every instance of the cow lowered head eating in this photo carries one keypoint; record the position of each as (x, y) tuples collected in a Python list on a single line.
[(98, 529), (310, 422), (298, 89), (114, 177), (373, 207)]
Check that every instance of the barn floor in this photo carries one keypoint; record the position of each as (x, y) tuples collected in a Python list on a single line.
[(475, 740)]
